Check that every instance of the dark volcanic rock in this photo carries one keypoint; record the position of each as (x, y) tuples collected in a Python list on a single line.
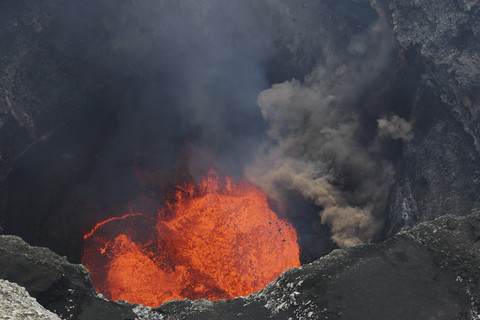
[(39, 63), (430, 272), (59, 286), (442, 165)]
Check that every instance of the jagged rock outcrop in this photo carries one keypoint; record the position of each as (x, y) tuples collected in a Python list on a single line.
[(58, 285), (17, 304), (430, 272)]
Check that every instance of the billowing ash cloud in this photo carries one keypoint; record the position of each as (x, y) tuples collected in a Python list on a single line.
[(316, 145)]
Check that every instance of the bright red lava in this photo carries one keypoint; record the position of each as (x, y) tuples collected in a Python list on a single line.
[(216, 240)]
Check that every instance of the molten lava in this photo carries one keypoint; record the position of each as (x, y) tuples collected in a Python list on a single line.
[(216, 240)]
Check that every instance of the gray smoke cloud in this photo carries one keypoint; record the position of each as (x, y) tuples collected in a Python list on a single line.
[(395, 128), (153, 76), (191, 69), (314, 146)]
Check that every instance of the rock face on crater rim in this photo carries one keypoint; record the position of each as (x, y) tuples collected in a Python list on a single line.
[(59, 286), (17, 304), (430, 272), (441, 165)]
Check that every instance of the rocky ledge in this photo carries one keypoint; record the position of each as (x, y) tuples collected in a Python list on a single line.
[(430, 272), (16, 303)]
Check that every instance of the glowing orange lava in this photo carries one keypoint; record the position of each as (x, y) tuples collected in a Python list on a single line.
[(216, 240)]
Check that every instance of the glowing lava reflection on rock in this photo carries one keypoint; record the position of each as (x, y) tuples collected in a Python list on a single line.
[(217, 239)]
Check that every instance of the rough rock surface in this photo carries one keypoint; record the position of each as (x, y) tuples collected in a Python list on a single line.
[(17, 304), (441, 166), (36, 87), (59, 286), (430, 272)]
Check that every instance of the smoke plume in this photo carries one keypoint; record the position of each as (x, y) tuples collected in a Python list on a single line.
[(316, 145), (145, 78), (395, 128)]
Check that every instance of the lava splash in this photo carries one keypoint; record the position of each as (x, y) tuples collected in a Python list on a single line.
[(217, 239)]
